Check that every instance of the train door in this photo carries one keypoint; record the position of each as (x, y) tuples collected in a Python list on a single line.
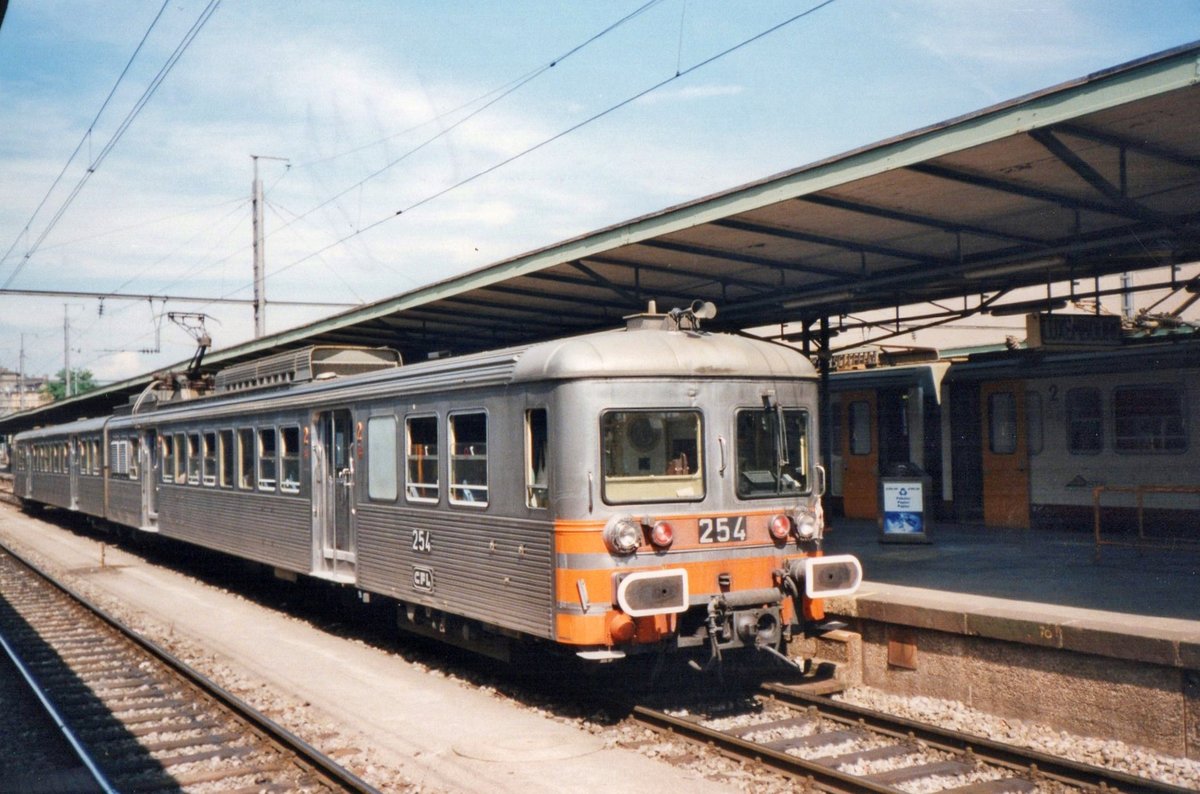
[(151, 469), (26, 452), (1005, 455), (73, 470), (860, 455), (333, 494)]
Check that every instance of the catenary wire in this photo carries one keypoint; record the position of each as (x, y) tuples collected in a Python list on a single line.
[(545, 142), (87, 134), (188, 38), (499, 94)]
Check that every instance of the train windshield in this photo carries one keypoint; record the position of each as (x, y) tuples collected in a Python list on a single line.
[(772, 452), (652, 456)]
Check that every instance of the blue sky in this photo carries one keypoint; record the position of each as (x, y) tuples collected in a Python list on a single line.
[(367, 100)]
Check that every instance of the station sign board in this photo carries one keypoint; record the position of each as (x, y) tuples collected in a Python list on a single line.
[(1072, 331)]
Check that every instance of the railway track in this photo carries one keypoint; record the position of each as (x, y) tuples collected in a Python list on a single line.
[(140, 719), (837, 747)]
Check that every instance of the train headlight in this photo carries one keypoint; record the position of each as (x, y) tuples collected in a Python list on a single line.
[(623, 535), (662, 535), (780, 527), (807, 525)]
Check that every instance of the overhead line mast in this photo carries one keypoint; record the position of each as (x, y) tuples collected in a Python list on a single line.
[(260, 277)]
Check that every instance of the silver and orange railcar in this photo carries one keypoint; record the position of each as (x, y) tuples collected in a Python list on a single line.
[(654, 487)]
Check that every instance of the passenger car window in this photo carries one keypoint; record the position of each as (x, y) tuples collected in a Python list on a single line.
[(468, 459), (421, 452), (245, 470), (1002, 423), (193, 459), (267, 449), (859, 414), (761, 470), (181, 456), (381, 458), (210, 459), (168, 458), (289, 459), (1149, 419), (537, 490), (226, 463), (1085, 421), (652, 456)]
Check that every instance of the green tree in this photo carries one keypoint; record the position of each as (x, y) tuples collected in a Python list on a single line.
[(81, 381)]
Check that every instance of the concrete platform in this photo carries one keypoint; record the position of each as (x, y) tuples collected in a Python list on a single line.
[(1031, 586), (1030, 625), (1051, 567)]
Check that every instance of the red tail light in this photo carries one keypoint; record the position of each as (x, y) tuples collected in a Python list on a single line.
[(662, 534), (780, 527)]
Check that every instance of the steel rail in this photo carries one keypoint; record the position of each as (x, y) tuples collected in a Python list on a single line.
[(324, 766), (824, 777), (77, 747), (1037, 763)]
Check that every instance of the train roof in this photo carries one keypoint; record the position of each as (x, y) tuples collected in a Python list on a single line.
[(650, 346), (1160, 353)]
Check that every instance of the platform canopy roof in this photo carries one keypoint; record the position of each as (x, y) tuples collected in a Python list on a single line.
[(1096, 176)]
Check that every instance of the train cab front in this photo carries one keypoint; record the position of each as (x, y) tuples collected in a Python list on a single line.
[(701, 527), (746, 595)]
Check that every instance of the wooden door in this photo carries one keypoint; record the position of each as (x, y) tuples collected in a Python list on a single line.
[(1005, 455), (860, 455)]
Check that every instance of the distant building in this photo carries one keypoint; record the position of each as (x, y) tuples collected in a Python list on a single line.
[(16, 395)]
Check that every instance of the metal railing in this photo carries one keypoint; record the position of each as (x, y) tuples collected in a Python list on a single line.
[(1142, 541)]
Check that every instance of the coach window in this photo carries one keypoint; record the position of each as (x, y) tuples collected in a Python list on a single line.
[(651, 456), (1034, 422), (168, 458), (1149, 419), (226, 459), (193, 459), (468, 459), (267, 449), (181, 459), (761, 470), (96, 462), (860, 427), (289, 459), (132, 464), (209, 472), (1084, 421), (381, 458), (422, 456), (1002, 423), (537, 490), (245, 472)]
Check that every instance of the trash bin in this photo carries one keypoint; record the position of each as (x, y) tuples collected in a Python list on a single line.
[(904, 493)]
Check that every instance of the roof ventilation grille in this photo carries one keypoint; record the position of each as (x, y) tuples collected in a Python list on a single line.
[(306, 364)]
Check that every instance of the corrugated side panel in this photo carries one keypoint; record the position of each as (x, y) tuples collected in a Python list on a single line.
[(491, 568), (125, 502), (91, 495), (270, 529), (52, 489)]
